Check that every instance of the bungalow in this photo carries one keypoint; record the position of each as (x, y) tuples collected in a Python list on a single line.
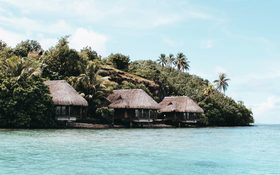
[(69, 104), (180, 110), (133, 106)]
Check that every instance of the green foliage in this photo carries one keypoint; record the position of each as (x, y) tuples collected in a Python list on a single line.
[(25, 103), (25, 100), (90, 85), (23, 48), (88, 54), (119, 61), (60, 61), (219, 109), (182, 62), (222, 82), (129, 85), (162, 60), (105, 112), (2, 45)]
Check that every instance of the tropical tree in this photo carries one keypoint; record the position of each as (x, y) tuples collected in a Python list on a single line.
[(2, 45), (23, 48), (89, 84), (182, 62), (61, 61), (18, 67), (25, 103), (162, 60), (222, 82), (170, 60), (208, 90), (119, 61), (89, 54)]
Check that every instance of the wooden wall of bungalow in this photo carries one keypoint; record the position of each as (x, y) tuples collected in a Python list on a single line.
[(133, 107), (180, 110), (69, 104)]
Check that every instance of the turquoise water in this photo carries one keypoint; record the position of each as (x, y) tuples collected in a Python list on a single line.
[(232, 151)]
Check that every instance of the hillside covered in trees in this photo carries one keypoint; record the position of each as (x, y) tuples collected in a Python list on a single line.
[(25, 100)]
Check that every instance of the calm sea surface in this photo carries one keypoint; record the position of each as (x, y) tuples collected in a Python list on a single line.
[(233, 151)]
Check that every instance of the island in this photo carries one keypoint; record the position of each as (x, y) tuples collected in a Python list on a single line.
[(62, 87)]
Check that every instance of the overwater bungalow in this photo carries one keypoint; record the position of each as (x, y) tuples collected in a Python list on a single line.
[(133, 106), (69, 104), (180, 110)]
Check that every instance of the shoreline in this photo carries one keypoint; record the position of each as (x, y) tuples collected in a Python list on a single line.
[(106, 126)]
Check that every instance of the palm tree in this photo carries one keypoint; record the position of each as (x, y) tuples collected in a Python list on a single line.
[(170, 60), (222, 82), (162, 60), (21, 67), (182, 62), (208, 90), (91, 85)]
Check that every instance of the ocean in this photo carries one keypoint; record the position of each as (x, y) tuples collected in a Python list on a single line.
[(182, 151)]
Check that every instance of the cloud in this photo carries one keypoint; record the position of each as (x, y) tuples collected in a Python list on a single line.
[(269, 104), (118, 13), (11, 38), (84, 37), (79, 38), (28, 25), (267, 111)]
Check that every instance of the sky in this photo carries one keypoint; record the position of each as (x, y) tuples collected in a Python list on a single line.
[(238, 37)]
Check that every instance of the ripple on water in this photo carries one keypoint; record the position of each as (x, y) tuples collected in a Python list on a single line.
[(240, 150)]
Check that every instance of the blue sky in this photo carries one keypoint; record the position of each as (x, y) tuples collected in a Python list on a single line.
[(238, 37)]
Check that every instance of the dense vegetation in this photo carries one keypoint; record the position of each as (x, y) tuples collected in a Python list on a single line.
[(25, 100)]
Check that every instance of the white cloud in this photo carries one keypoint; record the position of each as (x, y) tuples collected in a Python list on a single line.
[(80, 38), (267, 111), (121, 13), (29, 25), (267, 105), (46, 43), (83, 37), (11, 38)]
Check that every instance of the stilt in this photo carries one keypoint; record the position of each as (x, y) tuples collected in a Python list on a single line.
[(113, 120), (69, 113), (149, 118), (126, 116), (81, 112)]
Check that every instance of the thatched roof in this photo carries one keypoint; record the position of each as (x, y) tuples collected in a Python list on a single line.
[(133, 99), (63, 93), (179, 104)]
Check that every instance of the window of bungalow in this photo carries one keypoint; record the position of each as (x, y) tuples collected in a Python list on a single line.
[(63, 110), (137, 113), (58, 110), (146, 114)]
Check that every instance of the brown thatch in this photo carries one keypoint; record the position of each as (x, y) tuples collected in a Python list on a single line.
[(179, 104), (133, 99), (64, 94)]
